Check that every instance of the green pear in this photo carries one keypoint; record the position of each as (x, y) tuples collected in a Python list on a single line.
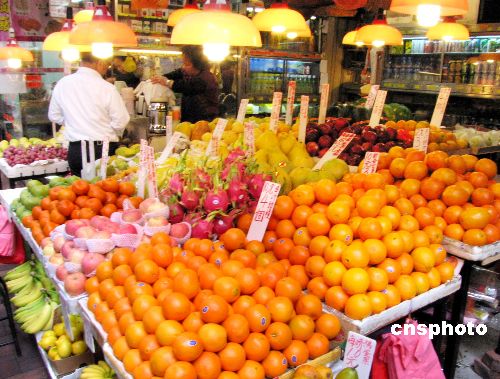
[(282, 177), (267, 140), (52, 353), (337, 168), (347, 373), (299, 176)]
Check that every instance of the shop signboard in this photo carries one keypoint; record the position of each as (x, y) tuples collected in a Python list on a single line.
[(30, 19)]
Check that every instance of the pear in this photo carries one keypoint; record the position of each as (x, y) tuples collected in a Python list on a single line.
[(267, 140), (78, 347), (313, 176), (347, 373), (287, 142), (324, 372), (277, 159), (299, 175), (282, 177), (337, 168), (306, 372), (238, 127), (229, 137), (59, 329)]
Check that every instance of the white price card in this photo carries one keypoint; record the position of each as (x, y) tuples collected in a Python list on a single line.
[(336, 149), (421, 139), (141, 177), (105, 157), (290, 100), (263, 212), (213, 145), (275, 111), (371, 96), (242, 111), (440, 108), (88, 336), (249, 137), (323, 103), (169, 148), (65, 311), (169, 129), (370, 162), (304, 114), (152, 184), (359, 352), (378, 108)]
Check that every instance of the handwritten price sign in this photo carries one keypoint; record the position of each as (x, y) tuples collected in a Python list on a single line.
[(440, 108), (290, 100), (371, 96), (421, 139), (323, 104), (141, 179), (378, 108), (304, 113), (249, 137), (243, 110), (213, 146), (275, 111), (370, 162), (152, 184), (263, 212), (169, 148), (104, 158), (359, 353), (337, 148)]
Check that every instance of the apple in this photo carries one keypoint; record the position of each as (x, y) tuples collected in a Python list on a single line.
[(110, 226), (127, 229), (57, 259), (48, 251), (45, 242), (90, 262), (85, 232), (157, 221), (58, 243), (76, 255), (73, 225), (152, 205), (74, 283), (131, 215), (101, 235), (66, 249), (97, 221), (61, 273), (312, 148), (179, 230), (325, 141)]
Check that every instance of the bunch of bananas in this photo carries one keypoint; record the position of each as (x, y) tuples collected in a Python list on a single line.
[(98, 371), (35, 297)]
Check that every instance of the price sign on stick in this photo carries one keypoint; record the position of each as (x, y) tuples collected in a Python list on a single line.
[(141, 178), (440, 108), (263, 212), (169, 148), (304, 112), (54, 130), (336, 149), (242, 111), (421, 139), (359, 353), (290, 100), (370, 162), (152, 185), (104, 158), (249, 138), (87, 333), (213, 146), (323, 104), (378, 108), (275, 111), (169, 129), (371, 96)]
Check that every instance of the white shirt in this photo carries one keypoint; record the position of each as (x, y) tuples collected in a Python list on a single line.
[(90, 108)]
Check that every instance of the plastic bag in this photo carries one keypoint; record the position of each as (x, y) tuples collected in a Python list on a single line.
[(155, 91)]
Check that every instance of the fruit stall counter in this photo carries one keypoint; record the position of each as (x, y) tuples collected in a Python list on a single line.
[(25, 172)]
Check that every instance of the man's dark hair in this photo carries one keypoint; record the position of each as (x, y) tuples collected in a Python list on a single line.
[(88, 58), (196, 56)]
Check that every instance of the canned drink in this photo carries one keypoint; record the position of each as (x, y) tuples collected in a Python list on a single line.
[(176, 113), (458, 67)]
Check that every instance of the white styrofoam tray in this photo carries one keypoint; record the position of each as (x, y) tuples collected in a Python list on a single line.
[(19, 171), (469, 252), (114, 362), (97, 331)]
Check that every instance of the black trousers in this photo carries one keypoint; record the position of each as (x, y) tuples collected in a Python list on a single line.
[(75, 154)]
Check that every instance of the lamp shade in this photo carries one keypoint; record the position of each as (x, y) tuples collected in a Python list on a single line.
[(12, 51), (84, 15), (59, 41), (280, 19), (176, 15), (447, 7), (448, 30), (378, 34)]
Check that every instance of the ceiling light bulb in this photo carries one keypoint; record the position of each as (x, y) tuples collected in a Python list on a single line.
[(216, 52), (447, 38), (378, 43), (14, 63), (428, 15), (490, 60), (278, 29), (102, 50), (291, 35), (360, 44), (70, 54), (313, 17)]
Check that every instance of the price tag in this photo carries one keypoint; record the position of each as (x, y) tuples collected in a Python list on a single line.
[(290, 100), (213, 146), (378, 108), (152, 184), (336, 149), (275, 111), (370, 162), (304, 112), (169, 148), (323, 103), (263, 212), (421, 139), (169, 129), (88, 336), (104, 158), (359, 353), (371, 96), (242, 111), (440, 108), (249, 138), (65, 310), (141, 178)]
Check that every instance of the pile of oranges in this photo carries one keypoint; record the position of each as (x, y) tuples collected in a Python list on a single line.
[(225, 309), (81, 200)]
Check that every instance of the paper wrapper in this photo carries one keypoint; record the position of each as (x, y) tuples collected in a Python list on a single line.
[(150, 230), (72, 267), (129, 240), (101, 246)]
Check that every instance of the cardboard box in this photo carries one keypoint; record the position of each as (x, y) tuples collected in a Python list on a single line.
[(70, 364)]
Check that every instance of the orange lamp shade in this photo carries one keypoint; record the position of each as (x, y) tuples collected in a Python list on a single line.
[(176, 15), (448, 31), (378, 34), (280, 19), (15, 52), (448, 7)]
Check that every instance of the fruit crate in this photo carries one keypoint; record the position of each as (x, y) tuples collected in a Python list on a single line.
[(114, 362), (375, 322), (489, 252), (325, 359), (36, 168)]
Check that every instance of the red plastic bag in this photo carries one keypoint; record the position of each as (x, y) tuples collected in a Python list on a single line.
[(19, 255)]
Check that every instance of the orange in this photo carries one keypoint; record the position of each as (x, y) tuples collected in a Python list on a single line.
[(421, 281), (333, 272), (415, 170), (392, 268), (325, 191), (248, 280), (314, 266), (134, 334), (256, 347), (394, 244), (279, 335), (392, 213), (318, 245), (280, 308), (328, 325), (355, 255), (296, 353), (275, 364), (214, 308), (213, 337), (446, 271), (487, 167), (131, 360), (282, 248), (167, 331), (142, 304), (406, 262), (176, 306), (336, 297), (232, 357), (341, 232), (302, 327), (369, 228), (385, 224), (378, 279), (228, 288), (251, 370), (408, 223), (285, 228), (237, 328), (120, 347), (455, 195), (338, 212), (300, 215), (358, 307), (474, 218), (303, 195), (423, 259), (258, 317), (283, 207), (434, 277), (187, 346), (152, 319), (104, 271), (317, 345), (424, 216), (397, 167), (406, 287), (475, 237), (404, 206), (161, 359), (180, 370), (437, 207), (368, 206), (420, 238), (355, 281), (264, 294), (233, 239), (193, 322), (334, 250), (318, 224), (392, 295), (410, 187), (378, 301), (186, 282), (147, 346)]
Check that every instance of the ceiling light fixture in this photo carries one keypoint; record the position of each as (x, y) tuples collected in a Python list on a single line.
[(379, 33), (279, 18), (448, 30), (13, 54), (85, 15), (429, 12), (189, 8)]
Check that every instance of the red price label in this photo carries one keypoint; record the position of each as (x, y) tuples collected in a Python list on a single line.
[(263, 212), (290, 100), (337, 148), (275, 111), (421, 139), (370, 162)]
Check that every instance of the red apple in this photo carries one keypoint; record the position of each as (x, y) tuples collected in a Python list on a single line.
[(85, 232), (73, 225), (157, 221), (102, 235), (98, 221), (146, 204), (56, 259), (76, 255), (74, 284), (90, 262), (61, 273), (127, 229), (66, 249), (179, 230), (131, 215), (110, 226), (58, 243)]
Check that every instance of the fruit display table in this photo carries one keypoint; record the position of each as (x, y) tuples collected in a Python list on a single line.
[(25, 172)]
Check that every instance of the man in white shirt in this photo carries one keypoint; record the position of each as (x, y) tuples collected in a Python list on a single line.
[(90, 108)]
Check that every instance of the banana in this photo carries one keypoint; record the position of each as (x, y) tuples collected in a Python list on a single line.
[(35, 326), (50, 321), (26, 290), (30, 314), (18, 284), (93, 372), (22, 300), (19, 271), (29, 308)]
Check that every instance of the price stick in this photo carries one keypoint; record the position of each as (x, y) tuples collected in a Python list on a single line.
[(141, 179), (242, 111), (169, 148), (249, 137), (263, 212), (152, 184), (104, 158), (370, 162), (213, 146), (371, 96), (421, 139), (323, 103), (54, 130), (65, 310), (336, 149), (378, 108), (88, 336), (304, 113), (359, 353), (169, 128), (290, 100), (440, 108), (275, 111)]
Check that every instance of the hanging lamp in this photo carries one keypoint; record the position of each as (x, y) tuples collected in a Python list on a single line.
[(279, 18), (13, 53), (59, 41), (351, 38), (176, 15), (85, 15), (429, 12), (103, 33), (379, 33), (216, 28), (448, 30)]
